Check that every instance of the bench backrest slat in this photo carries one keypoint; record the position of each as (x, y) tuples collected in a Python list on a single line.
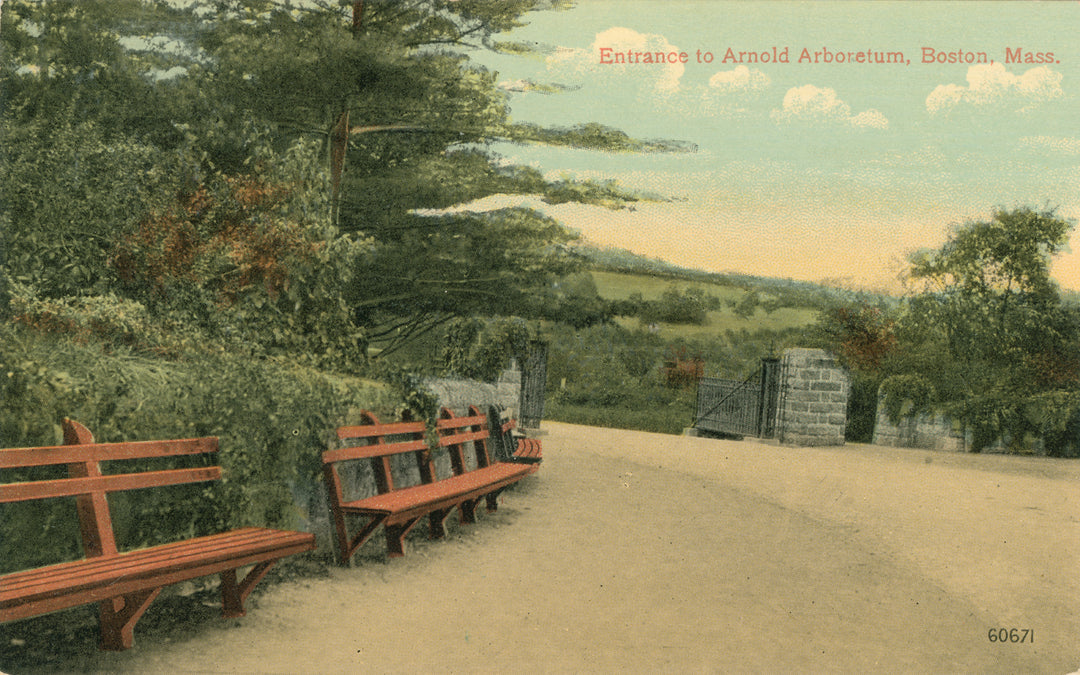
[(375, 430), (459, 437), (455, 431), (71, 487), (461, 422), (15, 458), (90, 486), (374, 450)]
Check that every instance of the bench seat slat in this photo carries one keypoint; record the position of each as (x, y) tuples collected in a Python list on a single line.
[(223, 545), (403, 503), (528, 448), (69, 487), (14, 458), (121, 562), (74, 583)]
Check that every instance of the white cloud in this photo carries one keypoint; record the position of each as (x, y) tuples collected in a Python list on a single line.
[(991, 85), (1060, 145), (869, 119), (522, 85), (816, 105), (739, 81), (663, 77)]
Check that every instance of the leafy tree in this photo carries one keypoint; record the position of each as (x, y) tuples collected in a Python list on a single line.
[(989, 304), (863, 336), (985, 336), (404, 118), (69, 193), (129, 167), (572, 299), (677, 305), (481, 350), (67, 58), (747, 306)]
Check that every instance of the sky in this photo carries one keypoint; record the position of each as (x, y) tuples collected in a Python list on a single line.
[(816, 164)]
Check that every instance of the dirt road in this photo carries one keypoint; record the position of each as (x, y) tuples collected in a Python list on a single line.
[(633, 552)]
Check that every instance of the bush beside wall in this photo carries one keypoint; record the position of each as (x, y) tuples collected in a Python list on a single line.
[(273, 420)]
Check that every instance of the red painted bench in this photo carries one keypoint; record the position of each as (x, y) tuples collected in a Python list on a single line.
[(125, 583), (399, 508), (514, 447)]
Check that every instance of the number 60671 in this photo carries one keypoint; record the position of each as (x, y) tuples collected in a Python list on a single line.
[(1011, 635)]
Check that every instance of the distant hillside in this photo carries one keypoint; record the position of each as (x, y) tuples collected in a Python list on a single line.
[(789, 292)]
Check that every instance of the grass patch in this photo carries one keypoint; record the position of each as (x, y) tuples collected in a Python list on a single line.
[(664, 420), (621, 285)]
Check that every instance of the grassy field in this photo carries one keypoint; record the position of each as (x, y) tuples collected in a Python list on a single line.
[(596, 376), (621, 285)]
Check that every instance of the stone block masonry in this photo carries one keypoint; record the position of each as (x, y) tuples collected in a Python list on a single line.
[(928, 431), (813, 401), (458, 394)]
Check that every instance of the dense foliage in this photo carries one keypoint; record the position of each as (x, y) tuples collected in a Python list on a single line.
[(269, 171), (984, 336), (272, 418), (218, 216), (608, 375)]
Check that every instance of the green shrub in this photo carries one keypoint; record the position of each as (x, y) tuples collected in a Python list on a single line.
[(272, 418), (907, 396)]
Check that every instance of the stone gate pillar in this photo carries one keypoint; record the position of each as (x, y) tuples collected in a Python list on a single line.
[(814, 392)]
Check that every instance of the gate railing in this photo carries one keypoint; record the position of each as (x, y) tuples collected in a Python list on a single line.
[(533, 385), (740, 408)]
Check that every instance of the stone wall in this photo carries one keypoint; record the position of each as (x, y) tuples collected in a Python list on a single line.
[(940, 432), (813, 400), (458, 395), (930, 432)]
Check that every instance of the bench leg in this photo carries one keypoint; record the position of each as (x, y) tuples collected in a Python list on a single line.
[(234, 594), (468, 511), (437, 524), (395, 537), (492, 502), (118, 617), (347, 547)]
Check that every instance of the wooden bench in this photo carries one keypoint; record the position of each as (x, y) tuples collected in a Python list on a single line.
[(125, 583), (399, 508), (512, 446)]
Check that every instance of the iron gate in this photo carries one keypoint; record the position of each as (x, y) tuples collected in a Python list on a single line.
[(533, 386), (740, 408)]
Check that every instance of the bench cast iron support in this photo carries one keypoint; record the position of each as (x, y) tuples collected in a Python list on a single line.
[(119, 616)]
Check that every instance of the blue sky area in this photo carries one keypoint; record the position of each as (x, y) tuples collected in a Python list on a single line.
[(834, 169)]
